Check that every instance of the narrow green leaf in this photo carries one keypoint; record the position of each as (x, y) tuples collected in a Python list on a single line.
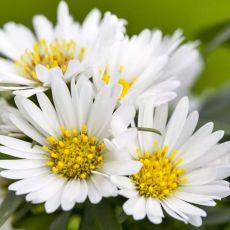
[(74, 222), (215, 35), (152, 130), (99, 217), (220, 38), (8, 206), (60, 223), (35, 222), (216, 108), (33, 143), (217, 216)]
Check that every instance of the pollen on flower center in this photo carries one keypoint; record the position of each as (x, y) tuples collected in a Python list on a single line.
[(74, 155), (159, 176), (126, 85), (57, 53)]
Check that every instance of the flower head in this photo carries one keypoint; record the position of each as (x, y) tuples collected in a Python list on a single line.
[(67, 45), (149, 66), (70, 160), (177, 170)]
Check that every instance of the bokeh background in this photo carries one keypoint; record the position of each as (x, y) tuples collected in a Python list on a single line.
[(204, 20)]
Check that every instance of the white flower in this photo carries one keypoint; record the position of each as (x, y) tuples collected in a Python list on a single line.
[(70, 161), (149, 66), (68, 45), (176, 174), (6, 126)]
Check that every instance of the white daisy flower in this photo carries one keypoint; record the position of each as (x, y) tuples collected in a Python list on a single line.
[(70, 161), (176, 174), (149, 66), (6, 125), (67, 45)]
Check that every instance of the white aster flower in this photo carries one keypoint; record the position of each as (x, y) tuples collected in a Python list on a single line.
[(6, 125), (149, 66), (176, 174), (70, 161), (67, 45)]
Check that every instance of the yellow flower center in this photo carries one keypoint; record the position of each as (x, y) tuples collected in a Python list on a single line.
[(160, 175), (74, 155), (57, 53), (126, 85)]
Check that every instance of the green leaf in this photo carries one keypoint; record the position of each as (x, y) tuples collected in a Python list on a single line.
[(33, 143), (74, 222), (60, 223), (217, 216), (36, 222), (216, 108), (99, 217), (152, 130), (215, 35), (222, 37), (8, 206)]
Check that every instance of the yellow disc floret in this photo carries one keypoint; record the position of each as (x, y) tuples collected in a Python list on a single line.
[(74, 155), (160, 175), (126, 85), (57, 53)]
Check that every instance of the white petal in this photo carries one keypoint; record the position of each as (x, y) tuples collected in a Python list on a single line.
[(207, 175), (54, 202), (128, 193), (29, 92), (176, 123), (196, 198), (43, 27), (122, 182), (26, 173), (19, 145), (189, 128), (174, 213), (139, 211), (145, 120), (201, 148), (82, 97), (45, 193), (103, 185), (186, 207), (122, 118), (21, 154), (93, 194), (153, 208), (126, 167), (130, 204), (63, 102), (198, 136), (82, 195), (26, 128), (67, 201), (34, 115), (21, 164)]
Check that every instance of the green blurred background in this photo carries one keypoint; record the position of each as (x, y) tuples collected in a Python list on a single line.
[(193, 16), (200, 19)]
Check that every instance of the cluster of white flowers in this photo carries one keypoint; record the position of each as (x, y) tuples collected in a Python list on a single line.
[(90, 98)]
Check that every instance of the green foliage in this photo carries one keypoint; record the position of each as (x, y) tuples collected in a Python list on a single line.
[(60, 222), (100, 216), (8, 206), (216, 108)]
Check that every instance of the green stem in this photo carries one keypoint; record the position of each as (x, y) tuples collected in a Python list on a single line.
[(149, 130)]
